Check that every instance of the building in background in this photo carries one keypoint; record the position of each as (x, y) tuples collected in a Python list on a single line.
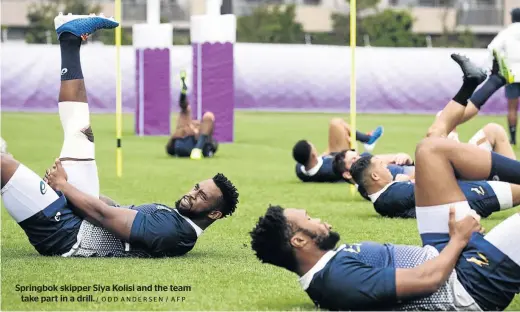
[(484, 18), (14, 14)]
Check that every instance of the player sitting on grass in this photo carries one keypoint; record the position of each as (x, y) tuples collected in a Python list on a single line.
[(66, 217), (311, 167), (192, 138), (457, 268)]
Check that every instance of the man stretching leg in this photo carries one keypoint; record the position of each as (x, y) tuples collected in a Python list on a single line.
[(454, 270), (65, 216)]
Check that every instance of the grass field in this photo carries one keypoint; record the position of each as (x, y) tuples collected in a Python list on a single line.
[(222, 270)]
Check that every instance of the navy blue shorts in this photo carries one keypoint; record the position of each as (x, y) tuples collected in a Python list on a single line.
[(182, 147), (481, 196), (513, 90), (53, 230), (489, 276)]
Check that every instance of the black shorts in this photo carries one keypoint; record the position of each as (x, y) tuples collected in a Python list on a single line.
[(53, 231), (182, 147)]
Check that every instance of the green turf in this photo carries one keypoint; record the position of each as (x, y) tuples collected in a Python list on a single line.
[(221, 270)]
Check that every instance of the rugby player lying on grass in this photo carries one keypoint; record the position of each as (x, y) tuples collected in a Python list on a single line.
[(192, 138), (312, 167), (457, 268), (66, 217), (490, 137), (400, 165), (394, 197)]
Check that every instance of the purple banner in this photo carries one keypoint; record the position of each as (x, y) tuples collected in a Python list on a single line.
[(217, 93), (153, 104), (267, 77)]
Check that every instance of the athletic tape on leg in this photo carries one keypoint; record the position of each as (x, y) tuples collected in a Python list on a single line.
[(75, 118), (435, 219), (480, 140)]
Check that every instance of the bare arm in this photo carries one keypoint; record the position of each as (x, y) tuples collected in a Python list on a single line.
[(116, 220), (428, 277), (402, 178), (109, 201), (387, 158), (397, 159)]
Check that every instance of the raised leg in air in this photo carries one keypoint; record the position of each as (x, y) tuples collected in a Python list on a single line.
[(78, 152), (340, 136), (184, 124), (453, 113)]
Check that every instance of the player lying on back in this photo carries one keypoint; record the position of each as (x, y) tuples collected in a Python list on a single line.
[(312, 167), (396, 199), (491, 137), (394, 196), (488, 137), (400, 164), (457, 268), (65, 216), (192, 138)]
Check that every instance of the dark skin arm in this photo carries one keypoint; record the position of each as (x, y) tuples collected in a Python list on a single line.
[(109, 201), (397, 159), (428, 277), (116, 220)]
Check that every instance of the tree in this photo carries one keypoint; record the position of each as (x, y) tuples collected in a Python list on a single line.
[(80, 7), (466, 39), (41, 18), (108, 37), (388, 28), (270, 24), (341, 26), (391, 28), (365, 4)]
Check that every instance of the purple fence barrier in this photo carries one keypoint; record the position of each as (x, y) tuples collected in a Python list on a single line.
[(217, 86), (267, 77), (153, 105)]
